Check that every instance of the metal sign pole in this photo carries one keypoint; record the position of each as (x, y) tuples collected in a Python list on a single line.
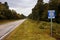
[(51, 26)]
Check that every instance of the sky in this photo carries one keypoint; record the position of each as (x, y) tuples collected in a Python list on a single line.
[(22, 6)]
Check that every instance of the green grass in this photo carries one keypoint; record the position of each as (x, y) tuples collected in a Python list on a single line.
[(31, 30)]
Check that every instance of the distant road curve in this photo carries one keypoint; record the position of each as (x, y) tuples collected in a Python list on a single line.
[(5, 29)]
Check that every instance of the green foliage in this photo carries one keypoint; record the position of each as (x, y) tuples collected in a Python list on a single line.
[(6, 13), (22, 16), (37, 10), (40, 11), (55, 5)]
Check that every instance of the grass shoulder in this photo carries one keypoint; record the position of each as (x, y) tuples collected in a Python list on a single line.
[(31, 30)]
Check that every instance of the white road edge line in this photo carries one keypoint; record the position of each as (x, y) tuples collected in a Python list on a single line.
[(10, 31)]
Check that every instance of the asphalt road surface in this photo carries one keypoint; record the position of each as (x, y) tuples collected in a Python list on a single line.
[(8, 27)]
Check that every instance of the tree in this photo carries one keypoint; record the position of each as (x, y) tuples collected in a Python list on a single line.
[(37, 10), (6, 4), (55, 5), (6, 13), (22, 16)]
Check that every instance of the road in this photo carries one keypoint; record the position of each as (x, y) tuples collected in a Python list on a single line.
[(8, 27)]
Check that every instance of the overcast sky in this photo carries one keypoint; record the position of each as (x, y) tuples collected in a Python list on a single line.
[(22, 6)]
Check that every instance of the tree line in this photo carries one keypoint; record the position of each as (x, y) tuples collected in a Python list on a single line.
[(6, 13), (40, 11)]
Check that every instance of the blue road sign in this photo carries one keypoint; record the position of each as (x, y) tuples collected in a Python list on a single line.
[(51, 14)]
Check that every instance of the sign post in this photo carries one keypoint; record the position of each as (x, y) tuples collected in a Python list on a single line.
[(51, 15)]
